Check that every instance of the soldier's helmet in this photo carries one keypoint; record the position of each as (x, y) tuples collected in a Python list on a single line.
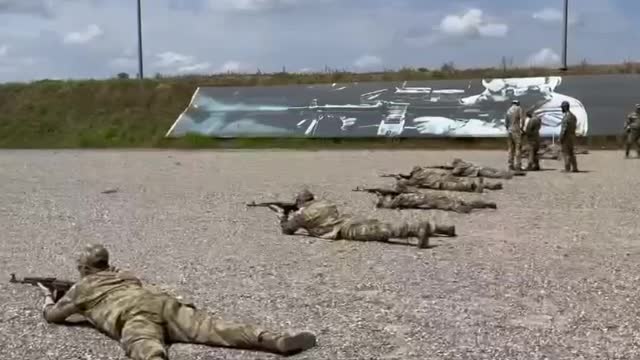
[(637, 106), (94, 256), (515, 102), (304, 196), (565, 104)]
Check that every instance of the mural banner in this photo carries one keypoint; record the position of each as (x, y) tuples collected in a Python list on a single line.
[(459, 108)]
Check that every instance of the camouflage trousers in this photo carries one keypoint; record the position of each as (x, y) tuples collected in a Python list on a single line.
[(145, 338), (431, 202), (376, 230), (533, 162), (632, 138), (462, 185), (491, 173), (569, 156), (514, 143)]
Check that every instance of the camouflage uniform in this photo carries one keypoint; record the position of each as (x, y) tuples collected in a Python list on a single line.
[(568, 139), (322, 219), (532, 135), (463, 168), (430, 179), (514, 120), (632, 131), (145, 321), (430, 201)]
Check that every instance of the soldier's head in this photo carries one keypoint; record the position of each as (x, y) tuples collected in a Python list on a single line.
[(303, 197), (515, 102), (456, 161), (529, 113), (92, 259), (638, 108), (564, 106)]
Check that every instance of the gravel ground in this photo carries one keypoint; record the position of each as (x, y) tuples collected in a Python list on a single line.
[(551, 274)]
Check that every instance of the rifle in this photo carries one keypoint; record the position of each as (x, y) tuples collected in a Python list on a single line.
[(378, 191), (443, 167), (397, 176), (287, 207), (58, 287)]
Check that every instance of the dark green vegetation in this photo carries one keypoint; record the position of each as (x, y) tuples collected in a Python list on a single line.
[(131, 114)]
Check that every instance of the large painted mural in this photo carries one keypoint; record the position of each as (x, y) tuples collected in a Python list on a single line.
[(437, 109)]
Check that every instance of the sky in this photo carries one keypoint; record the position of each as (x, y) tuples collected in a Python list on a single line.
[(62, 39)]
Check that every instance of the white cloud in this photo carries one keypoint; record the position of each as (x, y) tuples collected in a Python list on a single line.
[(199, 67), (471, 24), (544, 58), (173, 59), (367, 62), (554, 15), (92, 32), (4, 49)]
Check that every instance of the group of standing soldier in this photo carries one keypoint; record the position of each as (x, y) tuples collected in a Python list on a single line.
[(525, 127)]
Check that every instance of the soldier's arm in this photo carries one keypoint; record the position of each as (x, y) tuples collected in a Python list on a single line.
[(291, 224), (63, 309)]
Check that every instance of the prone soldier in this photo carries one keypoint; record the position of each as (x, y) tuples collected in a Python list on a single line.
[(146, 321), (461, 168), (406, 199), (321, 219), (532, 127), (632, 132), (430, 179)]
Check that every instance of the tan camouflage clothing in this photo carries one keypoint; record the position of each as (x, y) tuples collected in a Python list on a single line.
[(532, 136), (463, 168), (146, 321), (567, 141), (514, 124), (435, 180), (430, 201), (320, 218), (632, 133)]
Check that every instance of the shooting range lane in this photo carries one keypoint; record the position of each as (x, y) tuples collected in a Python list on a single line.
[(472, 108)]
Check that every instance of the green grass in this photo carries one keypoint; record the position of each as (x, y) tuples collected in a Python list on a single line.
[(132, 114)]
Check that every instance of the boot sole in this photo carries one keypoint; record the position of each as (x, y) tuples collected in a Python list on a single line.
[(298, 343)]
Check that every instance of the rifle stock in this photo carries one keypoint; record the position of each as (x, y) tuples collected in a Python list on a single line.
[(59, 287), (287, 207)]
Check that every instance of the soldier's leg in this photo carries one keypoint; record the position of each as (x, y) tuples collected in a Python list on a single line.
[(628, 141), (186, 324), (143, 339), (536, 156), (510, 150), (463, 186), (636, 141), (491, 173), (374, 230), (572, 159), (518, 152), (481, 204), (565, 157)]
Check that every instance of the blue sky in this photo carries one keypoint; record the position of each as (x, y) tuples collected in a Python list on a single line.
[(97, 38)]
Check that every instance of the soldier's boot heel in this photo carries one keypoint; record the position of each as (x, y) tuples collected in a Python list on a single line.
[(446, 230), (288, 344), (423, 236)]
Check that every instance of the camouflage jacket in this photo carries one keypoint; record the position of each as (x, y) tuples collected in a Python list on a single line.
[(532, 128), (319, 218), (568, 127), (108, 299), (632, 122), (514, 119)]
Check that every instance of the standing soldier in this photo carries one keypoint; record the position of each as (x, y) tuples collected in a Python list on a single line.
[(513, 123), (568, 138), (532, 133), (632, 131)]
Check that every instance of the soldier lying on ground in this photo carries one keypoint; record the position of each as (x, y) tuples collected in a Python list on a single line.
[(322, 219), (145, 321), (435, 180), (463, 168), (403, 198), (551, 151)]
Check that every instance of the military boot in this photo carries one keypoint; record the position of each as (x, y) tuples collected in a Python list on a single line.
[(493, 185), (287, 344), (446, 230)]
